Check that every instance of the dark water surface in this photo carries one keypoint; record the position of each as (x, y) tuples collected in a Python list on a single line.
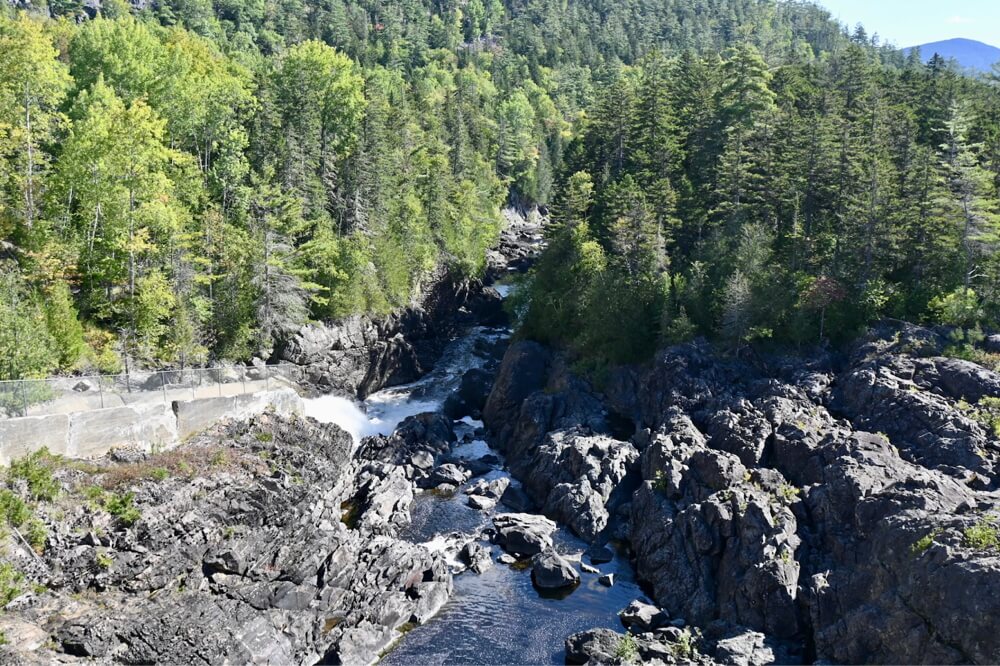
[(499, 617)]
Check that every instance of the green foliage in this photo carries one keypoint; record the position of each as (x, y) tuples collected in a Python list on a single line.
[(36, 469), (923, 544), (197, 179), (958, 308), (13, 508), (983, 535), (627, 649), (684, 647), (103, 559), (11, 583), (121, 505), (36, 534)]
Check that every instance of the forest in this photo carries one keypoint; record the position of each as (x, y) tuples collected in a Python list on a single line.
[(186, 181)]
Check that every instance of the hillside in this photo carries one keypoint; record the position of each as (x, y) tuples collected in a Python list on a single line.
[(969, 53)]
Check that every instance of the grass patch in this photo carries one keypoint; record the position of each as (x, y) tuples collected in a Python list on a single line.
[(104, 560), (923, 544), (627, 649), (183, 463), (788, 493), (984, 535)]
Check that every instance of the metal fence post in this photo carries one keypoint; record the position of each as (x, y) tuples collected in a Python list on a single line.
[(163, 385), (193, 395), (100, 390), (243, 378), (24, 399), (267, 377), (218, 378)]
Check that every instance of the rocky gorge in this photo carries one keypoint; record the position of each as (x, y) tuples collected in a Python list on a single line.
[(498, 507), (822, 509)]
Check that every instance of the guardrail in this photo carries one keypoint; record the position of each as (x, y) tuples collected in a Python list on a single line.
[(63, 395)]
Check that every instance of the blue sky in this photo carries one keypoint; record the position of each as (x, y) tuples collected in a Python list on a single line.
[(911, 22)]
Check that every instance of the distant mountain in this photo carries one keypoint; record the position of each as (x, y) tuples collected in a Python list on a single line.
[(968, 52)]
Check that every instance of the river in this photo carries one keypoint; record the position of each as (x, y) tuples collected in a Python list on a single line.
[(498, 616)]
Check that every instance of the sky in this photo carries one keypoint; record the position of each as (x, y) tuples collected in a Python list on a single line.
[(913, 22)]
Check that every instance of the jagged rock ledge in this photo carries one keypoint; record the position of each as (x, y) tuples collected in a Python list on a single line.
[(791, 510), (263, 541)]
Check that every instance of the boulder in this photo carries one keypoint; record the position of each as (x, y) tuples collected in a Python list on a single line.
[(450, 474), (599, 554), (476, 556), (642, 616), (551, 571), (481, 503), (594, 646), (524, 533)]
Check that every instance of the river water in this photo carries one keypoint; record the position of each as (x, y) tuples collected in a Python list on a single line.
[(498, 617)]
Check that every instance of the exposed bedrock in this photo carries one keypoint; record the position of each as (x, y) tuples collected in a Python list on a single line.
[(280, 548), (839, 509)]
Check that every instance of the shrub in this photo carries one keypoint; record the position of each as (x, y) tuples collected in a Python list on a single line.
[(15, 511), (121, 506), (103, 560), (37, 471), (36, 534), (10, 583), (983, 535), (958, 308), (627, 649), (923, 544)]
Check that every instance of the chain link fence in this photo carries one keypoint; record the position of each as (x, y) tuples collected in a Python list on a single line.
[(63, 395)]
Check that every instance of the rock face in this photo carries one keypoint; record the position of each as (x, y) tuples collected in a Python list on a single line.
[(823, 509), (572, 474), (554, 430), (282, 551), (360, 354)]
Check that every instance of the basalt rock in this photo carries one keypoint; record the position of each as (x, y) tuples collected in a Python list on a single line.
[(837, 509), (551, 571), (280, 548), (573, 474), (361, 354), (524, 533)]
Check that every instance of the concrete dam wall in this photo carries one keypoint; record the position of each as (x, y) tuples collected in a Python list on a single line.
[(89, 434)]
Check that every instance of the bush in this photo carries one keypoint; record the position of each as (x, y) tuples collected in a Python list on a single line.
[(627, 649), (959, 308), (36, 470), (982, 536), (15, 511), (10, 583), (121, 506), (923, 544), (36, 534)]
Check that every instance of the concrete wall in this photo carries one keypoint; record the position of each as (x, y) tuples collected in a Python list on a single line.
[(93, 433)]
